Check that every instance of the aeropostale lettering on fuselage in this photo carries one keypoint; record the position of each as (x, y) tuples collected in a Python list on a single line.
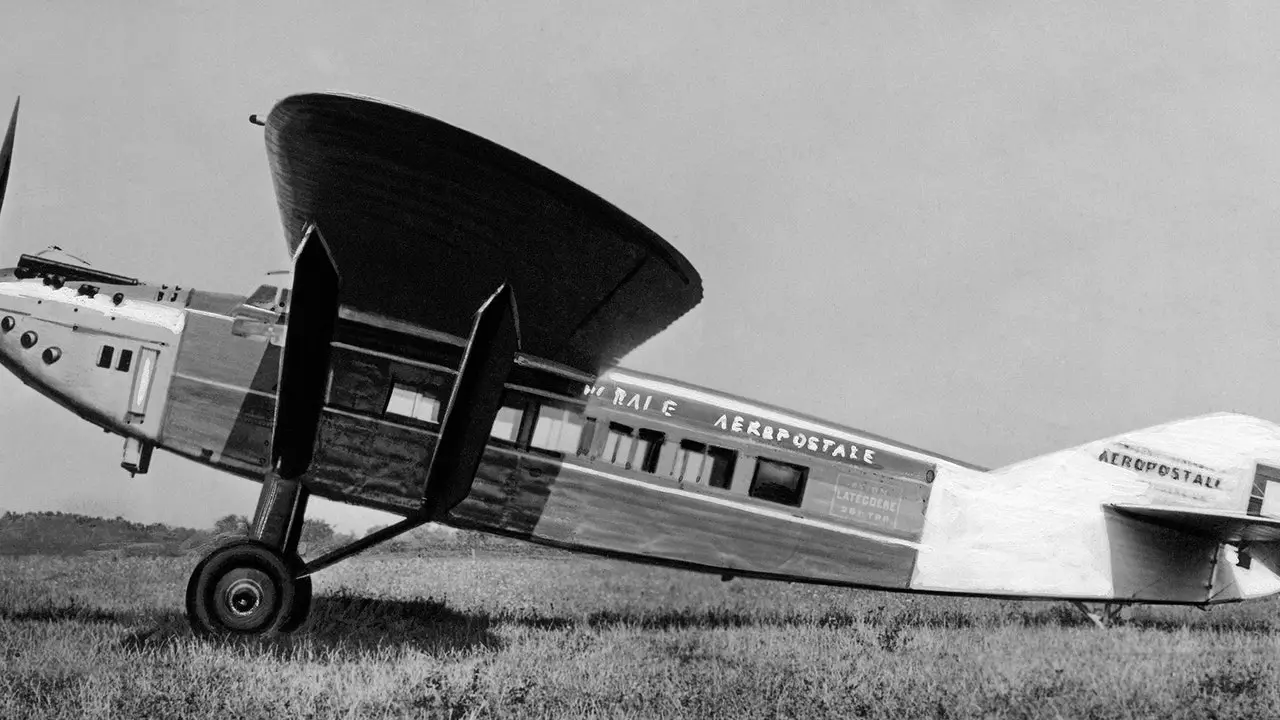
[(738, 424), (798, 439), (703, 414), (1138, 463)]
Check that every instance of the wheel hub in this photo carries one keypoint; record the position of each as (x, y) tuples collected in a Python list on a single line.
[(244, 596), (245, 599)]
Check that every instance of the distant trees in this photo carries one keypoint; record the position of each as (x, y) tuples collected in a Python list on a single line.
[(231, 525), (59, 533), (316, 531)]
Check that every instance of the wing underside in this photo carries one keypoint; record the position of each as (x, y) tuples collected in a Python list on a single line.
[(424, 220)]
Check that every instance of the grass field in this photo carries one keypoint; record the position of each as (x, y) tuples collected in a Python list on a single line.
[(566, 636)]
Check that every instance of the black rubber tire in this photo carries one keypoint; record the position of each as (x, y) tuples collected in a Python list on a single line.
[(244, 588), (301, 609)]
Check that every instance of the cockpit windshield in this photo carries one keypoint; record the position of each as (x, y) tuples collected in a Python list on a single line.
[(268, 301), (263, 314)]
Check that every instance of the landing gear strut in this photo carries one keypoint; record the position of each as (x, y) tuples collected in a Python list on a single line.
[(250, 586)]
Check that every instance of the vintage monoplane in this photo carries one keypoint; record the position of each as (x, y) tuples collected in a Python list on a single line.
[(396, 373)]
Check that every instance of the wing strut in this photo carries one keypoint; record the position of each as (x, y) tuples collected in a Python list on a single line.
[(468, 418), (304, 362), (474, 403)]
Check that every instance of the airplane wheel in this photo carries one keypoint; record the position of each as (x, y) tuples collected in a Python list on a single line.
[(301, 605), (243, 588)]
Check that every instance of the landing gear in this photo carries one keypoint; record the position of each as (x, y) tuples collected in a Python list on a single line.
[(258, 585), (246, 588), (251, 586)]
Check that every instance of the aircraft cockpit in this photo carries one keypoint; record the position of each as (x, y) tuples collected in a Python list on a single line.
[(263, 314)]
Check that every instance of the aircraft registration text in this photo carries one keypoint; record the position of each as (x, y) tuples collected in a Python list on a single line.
[(876, 502)]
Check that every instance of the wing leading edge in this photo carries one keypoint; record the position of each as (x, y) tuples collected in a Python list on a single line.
[(425, 219)]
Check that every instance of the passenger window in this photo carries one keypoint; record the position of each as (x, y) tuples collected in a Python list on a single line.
[(648, 444), (588, 432), (689, 457), (617, 445), (104, 357), (778, 482), (506, 426), (557, 429), (412, 403), (632, 448), (126, 360), (704, 464)]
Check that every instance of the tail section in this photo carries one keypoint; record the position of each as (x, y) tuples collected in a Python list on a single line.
[(1184, 512)]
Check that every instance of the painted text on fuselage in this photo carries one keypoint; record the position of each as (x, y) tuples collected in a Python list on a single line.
[(798, 439), (634, 400), (1183, 471)]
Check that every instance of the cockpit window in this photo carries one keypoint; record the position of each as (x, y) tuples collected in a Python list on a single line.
[(266, 301), (262, 314)]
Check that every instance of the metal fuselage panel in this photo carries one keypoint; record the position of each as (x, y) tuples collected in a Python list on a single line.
[(221, 402), (107, 361)]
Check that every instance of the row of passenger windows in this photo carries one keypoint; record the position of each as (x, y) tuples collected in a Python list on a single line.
[(564, 430), (557, 429)]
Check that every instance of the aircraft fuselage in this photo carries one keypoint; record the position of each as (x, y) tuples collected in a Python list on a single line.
[(637, 466)]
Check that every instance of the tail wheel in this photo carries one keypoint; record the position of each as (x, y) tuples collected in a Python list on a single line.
[(245, 588)]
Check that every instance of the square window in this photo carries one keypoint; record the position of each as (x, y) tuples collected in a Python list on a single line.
[(411, 403), (778, 482), (689, 457), (126, 360), (401, 402), (719, 467), (426, 408), (557, 429), (104, 357), (506, 426), (648, 448), (617, 445)]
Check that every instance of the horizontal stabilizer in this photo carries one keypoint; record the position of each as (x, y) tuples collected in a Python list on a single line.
[(1225, 526)]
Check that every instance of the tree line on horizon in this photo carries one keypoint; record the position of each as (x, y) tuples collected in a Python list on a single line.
[(63, 533)]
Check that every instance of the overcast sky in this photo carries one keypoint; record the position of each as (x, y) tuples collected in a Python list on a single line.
[(991, 229)]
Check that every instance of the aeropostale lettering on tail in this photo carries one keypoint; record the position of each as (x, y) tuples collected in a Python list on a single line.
[(1147, 463)]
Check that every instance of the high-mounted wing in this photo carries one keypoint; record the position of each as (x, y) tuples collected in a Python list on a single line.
[(424, 220)]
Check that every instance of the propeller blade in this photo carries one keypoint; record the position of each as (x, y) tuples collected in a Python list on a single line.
[(6, 152)]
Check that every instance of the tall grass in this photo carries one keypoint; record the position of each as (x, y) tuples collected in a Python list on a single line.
[(566, 636)]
